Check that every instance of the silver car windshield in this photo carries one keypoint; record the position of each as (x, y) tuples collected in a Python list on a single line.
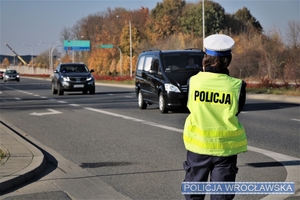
[(10, 72), (74, 68)]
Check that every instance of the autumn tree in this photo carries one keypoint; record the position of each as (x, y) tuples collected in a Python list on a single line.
[(5, 62), (272, 56), (165, 17), (248, 21), (42, 60), (292, 67), (246, 56), (232, 25), (191, 19)]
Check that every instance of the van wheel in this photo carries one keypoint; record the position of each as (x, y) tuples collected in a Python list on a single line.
[(162, 104), (141, 102)]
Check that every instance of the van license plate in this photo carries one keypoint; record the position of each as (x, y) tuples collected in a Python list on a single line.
[(78, 86)]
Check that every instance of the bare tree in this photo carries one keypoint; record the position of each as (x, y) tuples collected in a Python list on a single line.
[(65, 34), (293, 34)]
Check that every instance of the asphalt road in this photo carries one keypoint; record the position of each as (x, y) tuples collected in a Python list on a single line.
[(140, 152)]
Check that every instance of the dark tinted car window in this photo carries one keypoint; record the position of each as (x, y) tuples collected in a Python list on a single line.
[(180, 61), (11, 72), (73, 68)]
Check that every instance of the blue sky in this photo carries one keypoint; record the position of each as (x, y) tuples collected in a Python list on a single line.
[(32, 21)]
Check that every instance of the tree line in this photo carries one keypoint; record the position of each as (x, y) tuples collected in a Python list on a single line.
[(176, 24)]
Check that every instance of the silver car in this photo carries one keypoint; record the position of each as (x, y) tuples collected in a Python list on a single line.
[(11, 75)]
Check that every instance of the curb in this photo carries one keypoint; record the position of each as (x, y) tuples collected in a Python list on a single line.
[(36, 166)]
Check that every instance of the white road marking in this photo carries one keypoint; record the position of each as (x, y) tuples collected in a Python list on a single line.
[(19, 99), (298, 120), (51, 112), (61, 102), (74, 105)]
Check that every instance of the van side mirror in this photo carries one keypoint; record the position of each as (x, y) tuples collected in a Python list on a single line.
[(152, 71), (55, 71), (91, 70)]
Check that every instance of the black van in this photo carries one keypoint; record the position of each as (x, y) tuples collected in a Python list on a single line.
[(162, 77)]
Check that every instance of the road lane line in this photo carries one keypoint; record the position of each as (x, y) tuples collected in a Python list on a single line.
[(74, 104), (285, 160), (298, 120), (136, 120), (61, 102)]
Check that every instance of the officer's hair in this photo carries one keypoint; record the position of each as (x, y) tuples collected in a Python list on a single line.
[(217, 61)]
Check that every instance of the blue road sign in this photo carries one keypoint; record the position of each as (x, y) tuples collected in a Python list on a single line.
[(77, 45)]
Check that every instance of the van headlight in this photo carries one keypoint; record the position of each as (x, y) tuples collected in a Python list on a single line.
[(171, 88)]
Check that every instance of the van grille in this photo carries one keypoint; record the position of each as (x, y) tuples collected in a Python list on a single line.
[(184, 88)]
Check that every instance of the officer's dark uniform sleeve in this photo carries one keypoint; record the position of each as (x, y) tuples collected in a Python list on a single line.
[(242, 98)]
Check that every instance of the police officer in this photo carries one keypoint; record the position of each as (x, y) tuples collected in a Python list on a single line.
[(213, 135)]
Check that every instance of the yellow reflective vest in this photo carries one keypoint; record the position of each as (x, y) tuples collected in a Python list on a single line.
[(212, 128)]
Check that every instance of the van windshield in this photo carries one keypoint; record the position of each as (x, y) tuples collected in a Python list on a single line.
[(182, 61)]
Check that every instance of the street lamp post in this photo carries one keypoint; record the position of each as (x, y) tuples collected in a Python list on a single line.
[(31, 45), (120, 60), (130, 48), (52, 55), (49, 43)]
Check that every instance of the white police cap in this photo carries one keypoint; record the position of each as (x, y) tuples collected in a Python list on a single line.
[(218, 45)]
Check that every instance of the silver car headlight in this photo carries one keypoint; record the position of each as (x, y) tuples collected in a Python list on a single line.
[(89, 78), (66, 78), (171, 88)]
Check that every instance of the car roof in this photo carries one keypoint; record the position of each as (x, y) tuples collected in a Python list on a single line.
[(190, 50), (73, 63)]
